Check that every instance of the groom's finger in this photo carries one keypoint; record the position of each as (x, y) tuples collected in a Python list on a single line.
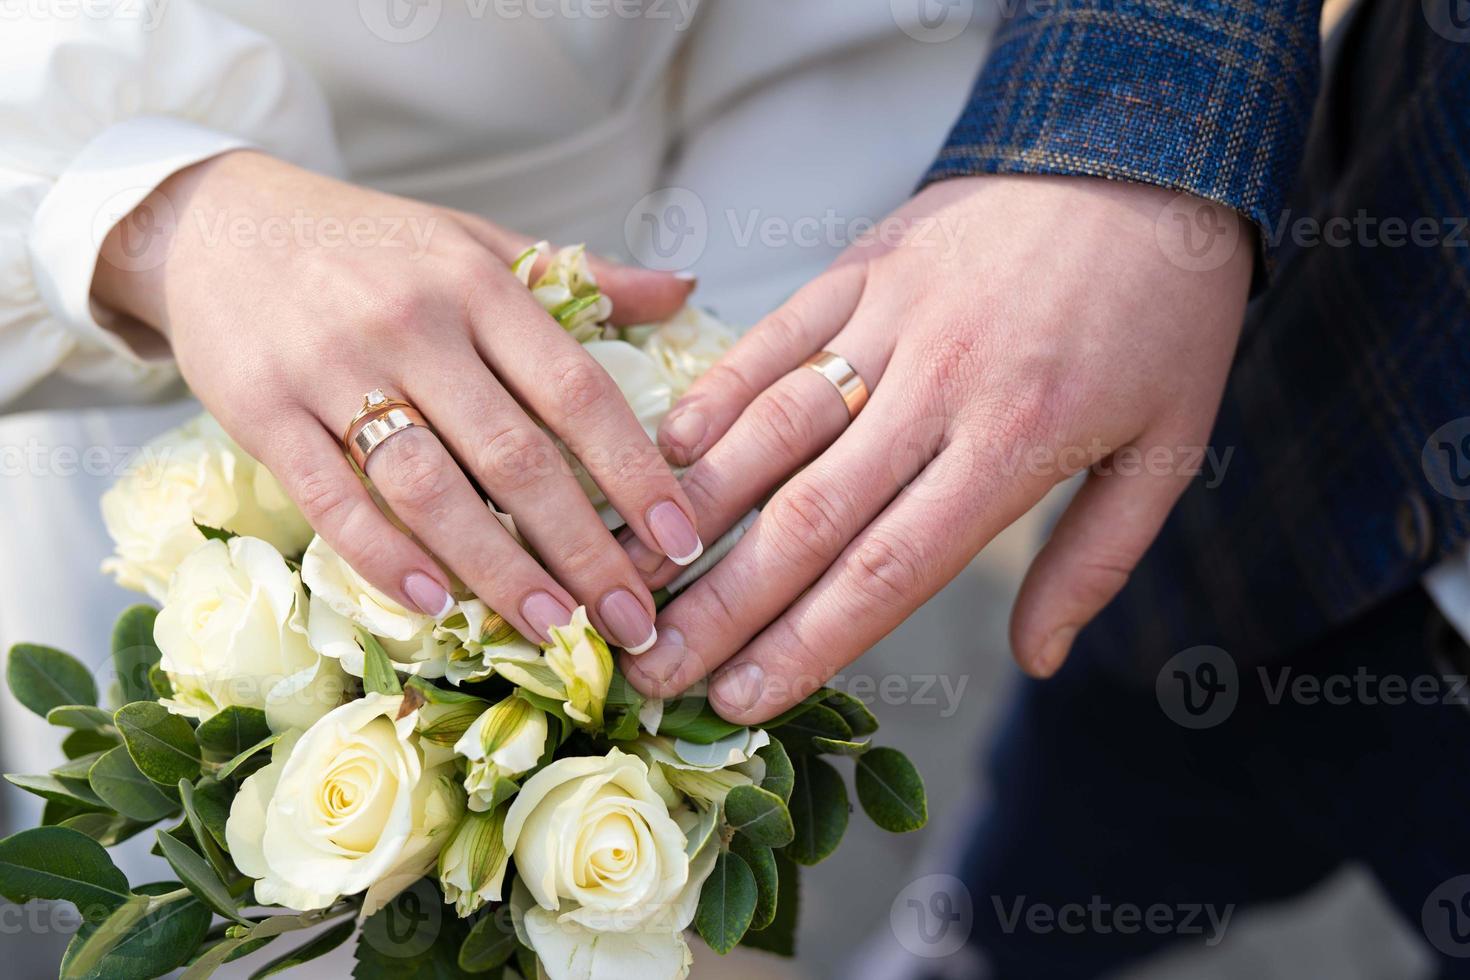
[(919, 543), (799, 533), (1092, 551), (773, 346)]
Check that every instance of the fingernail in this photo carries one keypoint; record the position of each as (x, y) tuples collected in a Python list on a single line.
[(428, 595), (644, 558), (740, 687), (661, 663), (673, 532), (684, 275), (544, 612), (1054, 651), (627, 620), (685, 430)]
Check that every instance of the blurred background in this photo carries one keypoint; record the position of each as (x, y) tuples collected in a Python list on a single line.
[(777, 146)]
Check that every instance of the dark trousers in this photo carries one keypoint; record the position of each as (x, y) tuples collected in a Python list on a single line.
[(1130, 816)]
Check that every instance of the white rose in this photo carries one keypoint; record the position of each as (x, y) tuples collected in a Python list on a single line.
[(575, 668), (194, 473), (505, 741), (232, 631), (354, 803), (342, 600), (608, 884), (687, 345)]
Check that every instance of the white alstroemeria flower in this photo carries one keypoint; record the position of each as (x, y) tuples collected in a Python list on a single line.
[(476, 631), (342, 600), (192, 475), (472, 865), (575, 668), (505, 741), (567, 290), (706, 773), (355, 803), (232, 632), (685, 346)]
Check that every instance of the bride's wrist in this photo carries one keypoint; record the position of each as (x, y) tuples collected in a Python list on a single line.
[(134, 263)]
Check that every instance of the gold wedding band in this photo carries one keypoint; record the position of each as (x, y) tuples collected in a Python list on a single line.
[(379, 419), (844, 378)]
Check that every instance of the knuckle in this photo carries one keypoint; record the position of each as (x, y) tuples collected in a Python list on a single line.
[(784, 424), (515, 458), (781, 332), (886, 574), (401, 308), (580, 385), (1099, 578), (808, 523), (631, 466), (324, 500), (800, 667), (954, 362), (584, 556), (727, 377), (413, 472), (704, 488)]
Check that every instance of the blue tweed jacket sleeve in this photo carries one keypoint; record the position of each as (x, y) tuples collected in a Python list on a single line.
[(1213, 97)]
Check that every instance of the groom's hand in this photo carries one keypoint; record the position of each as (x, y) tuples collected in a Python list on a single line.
[(1024, 329)]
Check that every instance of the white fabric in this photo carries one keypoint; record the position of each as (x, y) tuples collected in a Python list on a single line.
[(556, 127)]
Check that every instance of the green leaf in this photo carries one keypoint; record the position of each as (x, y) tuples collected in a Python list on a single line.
[(413, 937), (490, 944), (158, 679), (762, 862), (69, 792), (232, 731), (819, 810), (228, 769), (64, 865), (211, 805), (134, 654), (215, 533), (818, 720), (76, 769), (780, 777), (692, 719), (378, 675), (835, 746), (760, 815), (624, 701), (81, 742), (891, 791), (161, 744), (198, 876), (204, 836), (854, 712), (115, 778), (80, 716), (780, 936), (42, 678), (154, 945), (726, 903), (55, 812), (107, 829), (318, 946)]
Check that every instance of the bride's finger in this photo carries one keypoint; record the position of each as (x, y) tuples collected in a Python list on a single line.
[(799, 533), (316, 475), (429, 493), (638, 295), (775, 345), (783, 429)]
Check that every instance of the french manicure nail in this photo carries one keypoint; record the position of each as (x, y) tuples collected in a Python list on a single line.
[(674, 533), (685, 275), (686, 429), (627, 620), (430, 597), (740, 686), (661, 663), (543, 612)]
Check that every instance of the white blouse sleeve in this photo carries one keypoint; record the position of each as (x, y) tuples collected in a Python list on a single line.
[(96, 112)]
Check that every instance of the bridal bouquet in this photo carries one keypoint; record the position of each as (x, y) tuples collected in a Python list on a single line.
[(317, 759)]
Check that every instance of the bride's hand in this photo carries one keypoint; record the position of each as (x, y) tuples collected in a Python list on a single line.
[(287, 296), (1025, 329)]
